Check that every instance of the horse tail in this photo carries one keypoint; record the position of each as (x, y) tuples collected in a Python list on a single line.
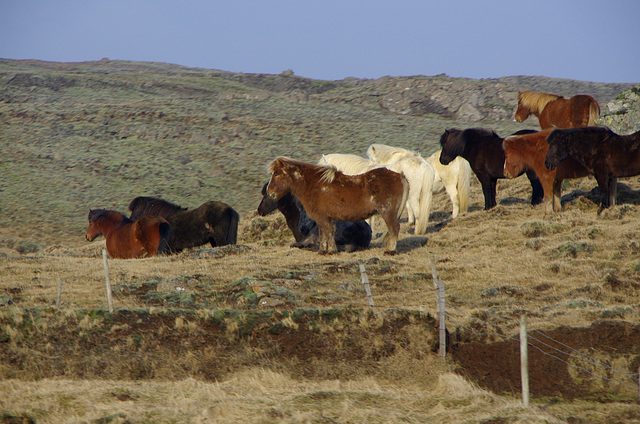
[(594, 112), (463, 184), (426, 194), (165, 237), (232, 234), (405, 195)]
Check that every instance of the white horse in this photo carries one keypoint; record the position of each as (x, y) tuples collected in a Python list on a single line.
[(455, 178), (418, 172)]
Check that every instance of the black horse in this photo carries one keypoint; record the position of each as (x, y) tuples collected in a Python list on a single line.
[(351, 235), (212, 222), (483, 150), (605, 154)]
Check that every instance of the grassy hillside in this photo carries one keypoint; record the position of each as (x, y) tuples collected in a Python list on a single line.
[(98, 134)]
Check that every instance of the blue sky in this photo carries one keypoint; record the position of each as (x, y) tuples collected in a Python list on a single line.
[(327, 39)]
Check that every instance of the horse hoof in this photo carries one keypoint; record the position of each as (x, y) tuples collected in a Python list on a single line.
[(390, 252)]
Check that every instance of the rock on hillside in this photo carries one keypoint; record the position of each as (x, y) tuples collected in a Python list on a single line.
[(475, 100), (622, 114)]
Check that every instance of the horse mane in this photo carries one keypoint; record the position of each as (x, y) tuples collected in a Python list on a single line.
[(536, 101), (95, 214), (328, 172), (381, 153), (143, 205)]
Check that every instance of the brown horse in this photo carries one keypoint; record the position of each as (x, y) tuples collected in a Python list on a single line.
[(605, 154), (147, 236), (328, 195), (212, 222), (352, 235), (529, 152), (556, 111)]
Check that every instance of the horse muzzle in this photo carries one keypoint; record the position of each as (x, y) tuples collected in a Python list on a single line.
[(549, 165)]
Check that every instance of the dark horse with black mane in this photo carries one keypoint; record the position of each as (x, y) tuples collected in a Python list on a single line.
[(212, 222), (351, 235), (605, 154), (483, 150)]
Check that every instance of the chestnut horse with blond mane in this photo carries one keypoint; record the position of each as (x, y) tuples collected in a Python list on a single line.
[(147, 236), (529, 152), (328, 195), (556, 111)]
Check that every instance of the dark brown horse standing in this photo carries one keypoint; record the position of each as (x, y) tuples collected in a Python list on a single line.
[(351, 235), (529, 152), (212, 222), (555, 111), (328, 195), (147, 236), (605, 154), (482, 148)]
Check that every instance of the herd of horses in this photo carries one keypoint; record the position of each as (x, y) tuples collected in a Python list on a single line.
[(331, 205)]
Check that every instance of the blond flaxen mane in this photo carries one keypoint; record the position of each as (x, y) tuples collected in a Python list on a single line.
[(536, 101), (384, 155), (328, 172)]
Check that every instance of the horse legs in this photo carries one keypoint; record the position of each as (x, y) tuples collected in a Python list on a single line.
[(393, 229), (557, 195), (489, 191), (537, 192), (452, 190), (326, 231), (412, 205), (613, 189), (608, 186)]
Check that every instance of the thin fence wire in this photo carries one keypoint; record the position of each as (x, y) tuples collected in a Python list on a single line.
[(577, 355), (580, 357)]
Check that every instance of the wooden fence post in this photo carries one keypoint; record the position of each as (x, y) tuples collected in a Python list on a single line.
[(441, 318), (59, 294), (524, 360), (438, 286), (367, 289), (106, 275), (434, 274)]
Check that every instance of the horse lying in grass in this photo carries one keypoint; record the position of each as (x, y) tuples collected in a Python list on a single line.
[(147, 236), (328, 195), (482, 148), (416, 170), (454, 177), (529, 152), (349, 235), (605, 154), (212, 222), (555, 111)]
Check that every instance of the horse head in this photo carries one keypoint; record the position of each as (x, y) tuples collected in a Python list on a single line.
[(450, 141), (281, 178), (522, 112), (93, 231), (512, 167), (267, 204), (557, 149)]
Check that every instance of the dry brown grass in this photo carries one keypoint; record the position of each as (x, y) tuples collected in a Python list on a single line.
[(261, 396), (569, 269)]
